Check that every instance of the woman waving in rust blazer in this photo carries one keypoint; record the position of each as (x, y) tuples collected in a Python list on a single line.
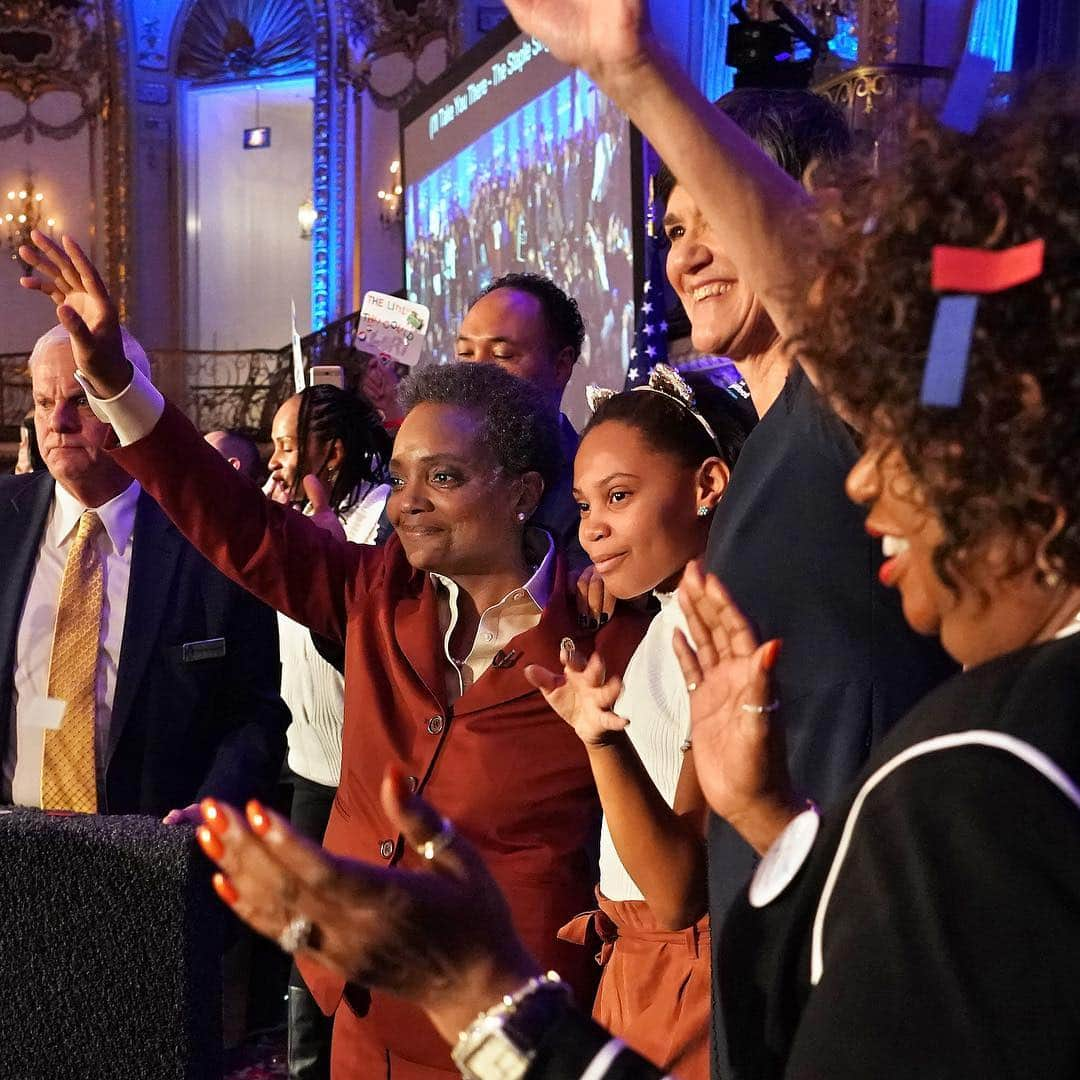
[(438, 626)]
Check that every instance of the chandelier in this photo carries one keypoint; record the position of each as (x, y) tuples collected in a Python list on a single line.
[(23, 211)]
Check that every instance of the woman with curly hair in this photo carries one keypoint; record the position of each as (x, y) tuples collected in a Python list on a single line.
[(932, 929)]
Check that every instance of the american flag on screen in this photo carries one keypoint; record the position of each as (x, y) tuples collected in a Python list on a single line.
[(650, 333)]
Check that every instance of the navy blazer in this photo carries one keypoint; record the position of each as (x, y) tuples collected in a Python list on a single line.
[(181, 729)]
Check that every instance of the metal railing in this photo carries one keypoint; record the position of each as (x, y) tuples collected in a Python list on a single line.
[(239, 388)]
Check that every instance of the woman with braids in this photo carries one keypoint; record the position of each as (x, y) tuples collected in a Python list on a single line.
[(438, 624), (337, 438), (651, 469)]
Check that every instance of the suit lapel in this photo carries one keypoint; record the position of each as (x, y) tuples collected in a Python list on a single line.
[(416, 622), (540, 645), (156, 546), (23, 514)]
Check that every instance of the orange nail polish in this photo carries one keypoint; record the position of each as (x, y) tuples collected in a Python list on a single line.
[(210, 843), (225, 889), (256, 815), (772, 654), (213, 818)]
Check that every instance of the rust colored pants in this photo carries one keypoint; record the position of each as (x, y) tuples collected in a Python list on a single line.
[(655, 993)]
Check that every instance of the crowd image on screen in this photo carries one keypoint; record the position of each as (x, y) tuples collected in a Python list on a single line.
[(543, 192)]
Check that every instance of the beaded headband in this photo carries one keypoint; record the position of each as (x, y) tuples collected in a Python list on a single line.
[(666, 382)]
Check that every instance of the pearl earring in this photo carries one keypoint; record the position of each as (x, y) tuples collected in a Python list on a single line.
[(703, 511), (521, 515)]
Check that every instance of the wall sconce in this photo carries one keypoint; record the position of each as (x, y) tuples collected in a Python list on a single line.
[(306, 216), (23, 211), (391, 211)]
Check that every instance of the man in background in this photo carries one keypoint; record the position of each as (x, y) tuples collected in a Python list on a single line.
[(526, 324), (134, 677), (240, 451)]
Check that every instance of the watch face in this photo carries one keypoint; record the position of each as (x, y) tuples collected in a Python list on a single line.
[(496, 1058)]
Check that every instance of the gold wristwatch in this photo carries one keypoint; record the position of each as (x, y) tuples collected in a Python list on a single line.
[(501, 1043)]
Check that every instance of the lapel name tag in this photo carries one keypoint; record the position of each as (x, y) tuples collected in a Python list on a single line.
[(45, 713), (211, 649)]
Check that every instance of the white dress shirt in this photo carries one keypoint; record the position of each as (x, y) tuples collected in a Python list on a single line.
[(518, 611), (313, 690), (33, 646)]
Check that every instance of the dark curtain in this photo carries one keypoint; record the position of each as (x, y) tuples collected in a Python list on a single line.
[(1047, 34)]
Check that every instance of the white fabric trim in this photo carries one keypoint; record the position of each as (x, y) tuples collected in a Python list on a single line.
[(997, 740), (133, 413), (598, 1067)]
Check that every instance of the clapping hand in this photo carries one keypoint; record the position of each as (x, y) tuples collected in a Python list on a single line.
[(441, 938), (84, 308), (738, 743), (583, 695)]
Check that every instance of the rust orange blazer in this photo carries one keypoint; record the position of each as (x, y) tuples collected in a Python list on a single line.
[(509, 772)]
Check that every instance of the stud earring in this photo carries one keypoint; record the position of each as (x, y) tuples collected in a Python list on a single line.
[(703, 511), (1049, 578), (521, 515)]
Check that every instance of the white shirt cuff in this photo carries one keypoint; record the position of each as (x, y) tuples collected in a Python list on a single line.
[(133, 413)]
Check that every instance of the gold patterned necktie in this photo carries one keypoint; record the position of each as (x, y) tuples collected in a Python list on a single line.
[(68, 770)]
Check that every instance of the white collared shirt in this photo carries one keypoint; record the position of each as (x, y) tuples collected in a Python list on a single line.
[(33, 646), (518, 611)]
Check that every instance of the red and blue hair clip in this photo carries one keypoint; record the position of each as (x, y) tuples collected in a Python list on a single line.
[(965, 274)]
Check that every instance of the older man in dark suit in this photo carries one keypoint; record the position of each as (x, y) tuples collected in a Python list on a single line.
[(134, 677)]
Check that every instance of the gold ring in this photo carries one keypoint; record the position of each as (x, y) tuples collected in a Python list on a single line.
[(431, 849)]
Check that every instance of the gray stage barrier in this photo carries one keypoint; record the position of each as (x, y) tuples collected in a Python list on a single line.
[(110, 951)]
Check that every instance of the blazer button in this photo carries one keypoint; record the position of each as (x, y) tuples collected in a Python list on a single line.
[(386, 849), (435, 725)]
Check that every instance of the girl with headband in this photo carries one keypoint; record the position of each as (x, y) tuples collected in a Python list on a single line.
[(648, 474)]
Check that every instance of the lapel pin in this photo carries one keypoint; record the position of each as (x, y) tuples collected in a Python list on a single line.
[(504, 659)]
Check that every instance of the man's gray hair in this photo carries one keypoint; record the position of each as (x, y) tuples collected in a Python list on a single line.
[(132, 349)]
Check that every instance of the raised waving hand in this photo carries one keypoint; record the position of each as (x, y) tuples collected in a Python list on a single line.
[(593, 35), (84, 308)]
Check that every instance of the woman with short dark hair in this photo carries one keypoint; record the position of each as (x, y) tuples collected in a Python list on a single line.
[(438, 626)]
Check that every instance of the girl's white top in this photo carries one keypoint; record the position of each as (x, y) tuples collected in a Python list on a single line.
[(655, 701)]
